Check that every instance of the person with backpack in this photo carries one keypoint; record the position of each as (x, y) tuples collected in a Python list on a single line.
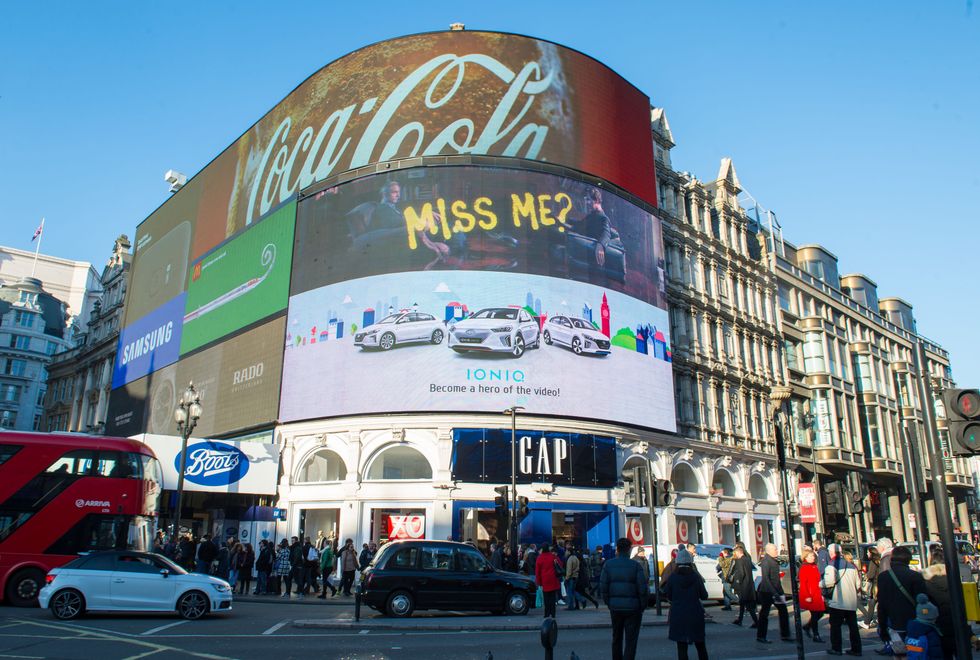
[(685, 589), (842, 585), (583, 587), (573, 567), (937, 589), (326, 568), (923, 639), (548, 573), (898, 587)]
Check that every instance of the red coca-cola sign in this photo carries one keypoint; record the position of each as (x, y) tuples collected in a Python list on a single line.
[(406, 527), (436, 94)]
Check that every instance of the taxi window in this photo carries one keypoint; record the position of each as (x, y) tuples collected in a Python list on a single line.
[(404, 559), (437, 559), (470, 560)]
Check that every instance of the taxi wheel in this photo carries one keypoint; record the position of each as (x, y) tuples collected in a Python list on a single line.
[(401, 604), (517, 603)]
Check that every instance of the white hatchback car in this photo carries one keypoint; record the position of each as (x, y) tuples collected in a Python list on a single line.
[(578, 334), (401, 328), (122, 581), (496, 330)]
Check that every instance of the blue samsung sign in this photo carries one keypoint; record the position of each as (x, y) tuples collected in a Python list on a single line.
[(211, 463)]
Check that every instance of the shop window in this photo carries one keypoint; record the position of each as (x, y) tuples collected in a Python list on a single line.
[(324, 465), (758, 488), (684, 480), (399, 462), (723, 484)]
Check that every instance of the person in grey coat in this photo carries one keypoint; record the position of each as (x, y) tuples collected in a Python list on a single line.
[(685, 589), (624, 590)]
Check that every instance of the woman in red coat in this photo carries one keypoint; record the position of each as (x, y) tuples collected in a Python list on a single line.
[(811, 598), (546, 575)]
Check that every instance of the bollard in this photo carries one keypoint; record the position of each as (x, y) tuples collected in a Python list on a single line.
[(357, 603), (549, 637)]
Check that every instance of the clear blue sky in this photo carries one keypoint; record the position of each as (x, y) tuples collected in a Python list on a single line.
[(857, 122)]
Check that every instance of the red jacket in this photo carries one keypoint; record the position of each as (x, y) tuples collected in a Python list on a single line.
[(544, 571), (810, 588)]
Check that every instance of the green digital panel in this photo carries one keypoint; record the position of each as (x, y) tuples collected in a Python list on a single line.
[(241, 281)]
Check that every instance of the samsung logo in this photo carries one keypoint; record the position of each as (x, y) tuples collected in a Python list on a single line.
[(248, 373), (147, 343)]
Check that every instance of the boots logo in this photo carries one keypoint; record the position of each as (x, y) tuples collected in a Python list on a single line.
[(213, 464)]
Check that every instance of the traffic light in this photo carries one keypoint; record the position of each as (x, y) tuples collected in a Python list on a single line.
[(501, 503), (662, 493), (521, 508), (857, 502), (963, 421)]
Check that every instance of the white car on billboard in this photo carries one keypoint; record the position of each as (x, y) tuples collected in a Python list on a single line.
[(401, 328), (577, 334), (496, 330)]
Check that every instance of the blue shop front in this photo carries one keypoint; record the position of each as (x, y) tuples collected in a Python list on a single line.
[(570, 480)]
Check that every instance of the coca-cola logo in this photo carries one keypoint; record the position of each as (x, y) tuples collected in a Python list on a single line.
[(298, 156), (213, 464)]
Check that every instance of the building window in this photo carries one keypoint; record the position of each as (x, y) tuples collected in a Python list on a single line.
[(870, 431), (37, 422), (40, 397), (15, 367), (722, 284), (51, 348), (325, 465), (792, 351), (816, 269), (21, 342), (24, 319), (10, 393), (758, 489), (813, 353), (684, 480), (8, 419), (27, 298), (832, 357), (821, 407), (399, 462)]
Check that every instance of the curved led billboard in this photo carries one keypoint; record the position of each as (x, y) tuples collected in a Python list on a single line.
[(434, 94), (472, 289)]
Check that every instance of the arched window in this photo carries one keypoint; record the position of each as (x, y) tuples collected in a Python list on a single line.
[(758, 488), (684, 480), (399, 462), (324, 465), (723, 484)]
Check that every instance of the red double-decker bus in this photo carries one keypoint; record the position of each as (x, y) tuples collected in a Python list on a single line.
[(62, 494)]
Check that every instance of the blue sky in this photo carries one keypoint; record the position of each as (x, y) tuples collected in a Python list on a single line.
[(856, 122)]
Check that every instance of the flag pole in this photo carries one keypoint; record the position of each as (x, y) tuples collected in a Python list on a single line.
[(38, 248)]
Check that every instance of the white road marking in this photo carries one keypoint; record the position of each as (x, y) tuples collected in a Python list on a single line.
[(276, 627), (364, 632), (163, 627)]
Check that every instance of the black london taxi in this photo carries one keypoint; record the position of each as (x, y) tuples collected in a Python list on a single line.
[(441, 575)]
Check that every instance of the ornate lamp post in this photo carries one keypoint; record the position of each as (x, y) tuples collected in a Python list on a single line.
[(186, 414), (779, 396)]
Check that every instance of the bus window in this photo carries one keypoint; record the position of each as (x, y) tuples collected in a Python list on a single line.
[(75, 463), (91, 533), (117, 465), (6, 451)]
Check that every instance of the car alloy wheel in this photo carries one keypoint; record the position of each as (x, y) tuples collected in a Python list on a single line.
[(577, 346), (547, 338), (437, 337), (517, 603), (400, 604), (193, 605), (518, 346), (387, 341), (66, 604)]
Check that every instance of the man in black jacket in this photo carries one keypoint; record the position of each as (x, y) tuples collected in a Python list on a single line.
[(625, 592), (206, 554), (897, 589), (771, 593)]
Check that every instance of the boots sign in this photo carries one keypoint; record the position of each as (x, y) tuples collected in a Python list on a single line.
[(574, 459)]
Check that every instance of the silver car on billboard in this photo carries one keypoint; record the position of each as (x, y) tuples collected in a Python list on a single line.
[(577, 334), (401, 328), (496, 330)]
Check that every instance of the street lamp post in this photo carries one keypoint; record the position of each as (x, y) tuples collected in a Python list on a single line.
[(809, 419), (779, 396), (186, 414), (512, 411)]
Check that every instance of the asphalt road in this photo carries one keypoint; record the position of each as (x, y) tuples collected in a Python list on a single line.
[(266, 630)]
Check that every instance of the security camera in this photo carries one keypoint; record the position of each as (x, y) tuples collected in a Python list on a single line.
[(175, 179)]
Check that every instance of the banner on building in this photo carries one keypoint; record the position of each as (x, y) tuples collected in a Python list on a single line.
[(406, 527), (806, 498), (634, 531), (245, 465)]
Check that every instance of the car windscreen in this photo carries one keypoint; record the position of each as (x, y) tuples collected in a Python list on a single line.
[(496, 313)]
